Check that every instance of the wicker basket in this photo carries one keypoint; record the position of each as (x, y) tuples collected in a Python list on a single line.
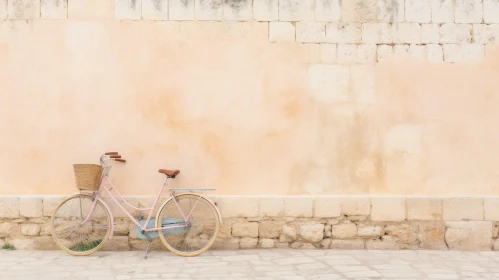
[(88, 176)]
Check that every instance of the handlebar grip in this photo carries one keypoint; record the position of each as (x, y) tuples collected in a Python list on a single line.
[(111, 153), (114, 156), (120, 159)]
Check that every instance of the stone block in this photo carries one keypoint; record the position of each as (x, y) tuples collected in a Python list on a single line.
[(302, 246), (22, 243), (241, 10), (181, 10), (3, 9), (399, 50), (347, 54), (418, 11), (122, 226), (369, 231), (91, 9), (377, 33), (30, 229), (417, 51), (288, 234), (310, 32), (23, 9), (362, 86), (53, 9), (355, 205), (129, 9), (296, 10), (10, 206), (359, 10), (226, 244), (344, 231), (409, 33), (344, 33), (386, 243), (366, 54), (463, 52), (405, 233), (491, 208), (430, 33), (327, 10), (326, 243), (46, 229), (269, 229), (271, 206), (208, 9), (245, 230), (281, 32), (8, 229), (117, 243), (248, 243), (384, 52), (327, 207), (44, 243), (31, 206), (485, 33), (298, 206), (391, 10), (463, 208), (311, 232), (491, 11), (424, 208), (329, 83), (388, 209), (455, 33), (328, 53), (472, 235), (468, 11), (442, 11), (431, 235), (239, 206), (155, 9), (266, 243), (266, 10), (356, 244)]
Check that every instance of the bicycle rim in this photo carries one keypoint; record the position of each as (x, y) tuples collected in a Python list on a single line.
[(71, 234), (201, 230)]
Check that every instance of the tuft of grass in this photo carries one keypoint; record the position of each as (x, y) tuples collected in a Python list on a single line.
[(83, 247), (8, 246)]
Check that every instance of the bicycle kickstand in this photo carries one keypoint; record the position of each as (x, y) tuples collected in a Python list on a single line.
[(149, 241)]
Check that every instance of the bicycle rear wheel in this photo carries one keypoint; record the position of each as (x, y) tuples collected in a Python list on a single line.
[(71, 234), (198, 234)]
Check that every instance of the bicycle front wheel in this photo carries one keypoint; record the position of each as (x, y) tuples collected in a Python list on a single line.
[(191, 238), (78, 230)]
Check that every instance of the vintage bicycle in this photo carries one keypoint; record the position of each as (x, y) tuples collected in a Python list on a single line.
[(187, 222)]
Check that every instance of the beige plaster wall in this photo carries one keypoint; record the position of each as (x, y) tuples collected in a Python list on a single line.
[(307, 102)]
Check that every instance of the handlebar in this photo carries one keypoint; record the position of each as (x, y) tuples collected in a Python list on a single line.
[(120, 159), (111, 156)]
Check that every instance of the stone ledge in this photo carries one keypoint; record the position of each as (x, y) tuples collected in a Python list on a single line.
[(373, 207)]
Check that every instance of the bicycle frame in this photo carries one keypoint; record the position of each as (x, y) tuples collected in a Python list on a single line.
[(103, 187)]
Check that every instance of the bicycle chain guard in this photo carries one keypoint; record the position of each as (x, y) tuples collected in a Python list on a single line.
[(164, 223)]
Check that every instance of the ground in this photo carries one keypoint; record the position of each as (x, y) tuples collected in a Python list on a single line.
[(253, 264)]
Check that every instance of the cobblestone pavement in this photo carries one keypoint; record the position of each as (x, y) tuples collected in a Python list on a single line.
[(253, 264)]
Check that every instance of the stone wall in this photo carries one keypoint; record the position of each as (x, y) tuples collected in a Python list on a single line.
[(324, 222), (315, 96)]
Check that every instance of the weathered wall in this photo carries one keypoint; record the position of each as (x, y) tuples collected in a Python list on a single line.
[(252, 97)]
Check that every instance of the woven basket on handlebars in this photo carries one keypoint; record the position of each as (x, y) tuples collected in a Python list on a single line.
[(88, 176)]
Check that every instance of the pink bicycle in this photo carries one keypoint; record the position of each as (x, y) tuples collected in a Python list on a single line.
[(187, 222)]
